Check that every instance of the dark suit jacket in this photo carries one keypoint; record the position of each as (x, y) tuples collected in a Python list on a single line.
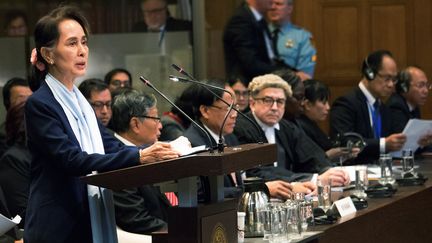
[(350, 113), (15, 179), (141, 210), (197, 138), (171, 129), (302, 155), (244, 46), (400, 113), (172, 24), (58, 207), (314, 132), (11, 235)]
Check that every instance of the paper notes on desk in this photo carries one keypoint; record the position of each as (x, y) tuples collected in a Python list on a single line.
[(7, 224), (183, 146), (414, 130)]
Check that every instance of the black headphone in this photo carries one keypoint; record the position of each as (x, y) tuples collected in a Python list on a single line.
[(403, 81), (368, 72)]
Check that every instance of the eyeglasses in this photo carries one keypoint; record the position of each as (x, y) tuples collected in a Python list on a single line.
[(268, 101), (226, 108), (239, 93), (423, 85), (388, 78), (155, 118), (120, 83), (99, 105)]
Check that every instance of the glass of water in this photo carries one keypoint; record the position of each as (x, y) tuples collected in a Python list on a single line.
[(324, 194), (361, 181), (386, 164), (407, 163)]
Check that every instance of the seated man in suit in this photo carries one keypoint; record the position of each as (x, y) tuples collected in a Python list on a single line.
[(412, 90), (210, 112), (157, 18), (362, 111), (296, 152), (143, 209)]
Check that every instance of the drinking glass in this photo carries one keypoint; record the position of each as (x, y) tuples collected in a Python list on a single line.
[(306, 214), (407, 163), (361, 181), (278, 224), (293, 220), (386, 164), (324, 194)]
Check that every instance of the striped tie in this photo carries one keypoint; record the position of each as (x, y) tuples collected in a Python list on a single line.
[(172, 198)]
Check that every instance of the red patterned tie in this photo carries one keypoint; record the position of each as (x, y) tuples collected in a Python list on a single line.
[(172, 198)]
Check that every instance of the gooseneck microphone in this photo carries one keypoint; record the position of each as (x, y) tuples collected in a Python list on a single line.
[(208, 87), (147, 82), (190, 78)]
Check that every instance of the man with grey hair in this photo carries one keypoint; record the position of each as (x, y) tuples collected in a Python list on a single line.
[(298, 156), (135, 120)]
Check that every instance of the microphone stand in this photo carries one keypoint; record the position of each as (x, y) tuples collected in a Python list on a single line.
[(147, 82), (220, 144)]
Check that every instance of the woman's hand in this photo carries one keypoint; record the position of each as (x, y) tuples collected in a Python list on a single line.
[(156, 152)]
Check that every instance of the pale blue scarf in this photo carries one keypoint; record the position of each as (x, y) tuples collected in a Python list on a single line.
[(83, 121)]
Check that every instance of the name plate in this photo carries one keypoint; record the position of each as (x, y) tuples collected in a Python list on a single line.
[(345, 206)]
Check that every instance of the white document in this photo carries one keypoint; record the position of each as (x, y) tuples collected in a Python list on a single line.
[(414, 130), (183, 146), (7, 224)]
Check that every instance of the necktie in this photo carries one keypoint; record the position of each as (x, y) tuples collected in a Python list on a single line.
[(172, 198), (377, 119), (275, 37)]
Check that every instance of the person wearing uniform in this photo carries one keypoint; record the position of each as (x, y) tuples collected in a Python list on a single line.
[(293, 43)]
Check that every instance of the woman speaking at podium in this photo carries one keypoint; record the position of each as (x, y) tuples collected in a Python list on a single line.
[(64, 137)]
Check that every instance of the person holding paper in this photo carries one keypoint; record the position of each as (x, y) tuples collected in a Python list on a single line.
[(412, 90), (65, 139), (362, 110)]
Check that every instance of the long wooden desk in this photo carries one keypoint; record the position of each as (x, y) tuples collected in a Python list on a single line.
[(406, 217)]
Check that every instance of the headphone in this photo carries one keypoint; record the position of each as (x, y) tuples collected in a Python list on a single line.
[(368, 72), (403, 81)]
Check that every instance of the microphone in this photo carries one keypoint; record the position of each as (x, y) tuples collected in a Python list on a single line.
[(178, 79), (208, 87), (193, 80), (147, 82), (182, 71)]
